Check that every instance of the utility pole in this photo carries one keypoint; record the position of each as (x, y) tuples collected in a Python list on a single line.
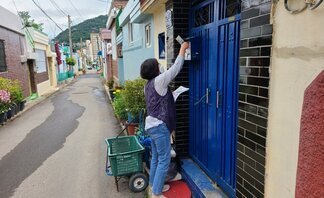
[(98, 52), (70, 35), (81, 53)]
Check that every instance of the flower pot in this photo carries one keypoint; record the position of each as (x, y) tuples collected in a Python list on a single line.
[(22, 105), (131, 128), (9, 113), (112, 95), (2, 118), (13, 109)]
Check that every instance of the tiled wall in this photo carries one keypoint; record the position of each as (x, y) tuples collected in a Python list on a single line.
[(179, 26), (256, 41)]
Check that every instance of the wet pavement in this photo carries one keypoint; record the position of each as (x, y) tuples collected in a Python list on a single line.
[(57, 149)]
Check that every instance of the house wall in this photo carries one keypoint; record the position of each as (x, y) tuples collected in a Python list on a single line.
[(136, 52), (15, 46), (113, 65), (120, 3), (297, 59), (42, 79), (158, 11), (41, 43)]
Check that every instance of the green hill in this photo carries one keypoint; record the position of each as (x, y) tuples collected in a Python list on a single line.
[(83, 30)]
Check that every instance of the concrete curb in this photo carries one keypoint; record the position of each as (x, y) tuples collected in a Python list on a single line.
[(110, 99), (32, 103)]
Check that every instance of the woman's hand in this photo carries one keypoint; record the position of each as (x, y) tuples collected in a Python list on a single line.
[(184, 46)]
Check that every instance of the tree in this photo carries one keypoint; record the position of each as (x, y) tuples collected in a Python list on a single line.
[(28, 22)]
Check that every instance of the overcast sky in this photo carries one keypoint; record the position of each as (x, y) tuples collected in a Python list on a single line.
[(84, 9)]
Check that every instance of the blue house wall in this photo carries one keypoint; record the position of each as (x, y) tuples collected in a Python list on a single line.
[(134, 53)]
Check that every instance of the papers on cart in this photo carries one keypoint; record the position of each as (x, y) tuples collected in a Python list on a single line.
[(179, 91)]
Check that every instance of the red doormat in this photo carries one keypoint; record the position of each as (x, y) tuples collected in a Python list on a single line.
[(178, 189)]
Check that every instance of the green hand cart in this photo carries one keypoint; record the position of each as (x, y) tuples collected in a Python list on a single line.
[(124, 159)]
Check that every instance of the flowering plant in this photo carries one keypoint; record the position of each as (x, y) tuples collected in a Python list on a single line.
[(4, 100)]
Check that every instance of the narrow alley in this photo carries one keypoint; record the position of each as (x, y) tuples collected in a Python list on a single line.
[(57, 148)]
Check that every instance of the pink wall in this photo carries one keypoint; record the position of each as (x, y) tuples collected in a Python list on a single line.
[(310, 171)]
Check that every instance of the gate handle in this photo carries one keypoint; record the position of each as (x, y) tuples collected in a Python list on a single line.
[(207, 95), (217, 99), (204, 96)]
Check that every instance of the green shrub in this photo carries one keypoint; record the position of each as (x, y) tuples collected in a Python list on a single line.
[(134, 96), (16, 92), (70, 61), (119, 105)]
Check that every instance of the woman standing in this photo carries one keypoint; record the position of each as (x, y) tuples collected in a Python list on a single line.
[(161, 120)]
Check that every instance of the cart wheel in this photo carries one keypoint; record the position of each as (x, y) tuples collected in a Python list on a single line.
[(138, 182)]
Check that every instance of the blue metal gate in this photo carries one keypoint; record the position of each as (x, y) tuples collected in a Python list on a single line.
[(214, 28)]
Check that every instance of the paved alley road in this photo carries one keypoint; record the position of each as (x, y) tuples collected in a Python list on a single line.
[(57, 149)]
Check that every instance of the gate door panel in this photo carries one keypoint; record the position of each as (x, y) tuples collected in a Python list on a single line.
[(213, 73)]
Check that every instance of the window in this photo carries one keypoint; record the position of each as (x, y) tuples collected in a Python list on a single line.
[(130, 33), (148, 35), (161, 38), (41, 61), (204, 15), (229, 8), (3, 65), (232, 7)]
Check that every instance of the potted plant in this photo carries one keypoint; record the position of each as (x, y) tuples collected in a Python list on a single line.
[(134, 101), (4, 105), (16, 96), (71, 62)]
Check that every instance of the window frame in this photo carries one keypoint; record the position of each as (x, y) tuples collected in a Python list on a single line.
[(148, 30), (5, 66), (161, 36), (130, 33)]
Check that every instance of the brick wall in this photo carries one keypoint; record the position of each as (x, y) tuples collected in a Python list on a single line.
[(256, 41), (120, 3), (41, 77), (14, 48), (115, 69), (180, 27)]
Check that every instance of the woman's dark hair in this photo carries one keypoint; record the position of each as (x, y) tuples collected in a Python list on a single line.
[(150, 69)]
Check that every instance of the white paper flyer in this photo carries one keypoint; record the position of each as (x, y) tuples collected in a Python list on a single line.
[(176, 93)]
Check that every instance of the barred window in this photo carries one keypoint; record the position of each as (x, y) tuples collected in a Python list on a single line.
[(3, 65)]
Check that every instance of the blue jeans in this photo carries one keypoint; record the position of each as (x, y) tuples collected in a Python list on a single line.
[(161, 157)]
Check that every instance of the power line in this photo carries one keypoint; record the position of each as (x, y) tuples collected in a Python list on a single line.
[(47, 15), (52, 29), (76, 10), (58, 8)]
